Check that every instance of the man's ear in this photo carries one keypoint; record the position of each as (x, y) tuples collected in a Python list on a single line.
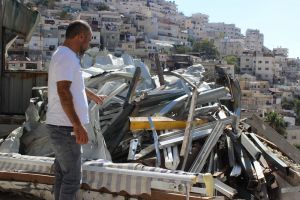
[(80, 36)]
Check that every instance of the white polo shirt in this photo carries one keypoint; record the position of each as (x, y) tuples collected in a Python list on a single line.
[(65, 65)]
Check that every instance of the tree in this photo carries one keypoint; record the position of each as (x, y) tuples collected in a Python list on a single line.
[(207, 49), (287, 105), (231, 60), (182, 49), (297, 107), (63, 14), (276, 121)]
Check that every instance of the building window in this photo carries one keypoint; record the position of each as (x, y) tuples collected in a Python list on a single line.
[(267, 68), (247, 59), (266, 76), (266, 62), (259, 68), (260, 61), (294, 137)]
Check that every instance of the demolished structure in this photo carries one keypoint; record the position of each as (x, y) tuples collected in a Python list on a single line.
[(157, 141), (177, 135)]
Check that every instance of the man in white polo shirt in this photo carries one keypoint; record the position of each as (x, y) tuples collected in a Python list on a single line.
[(68, 109)]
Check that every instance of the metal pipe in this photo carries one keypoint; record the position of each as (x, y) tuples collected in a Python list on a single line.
[(149, 174), (210, 142)]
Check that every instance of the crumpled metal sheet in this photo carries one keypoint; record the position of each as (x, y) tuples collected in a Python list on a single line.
[(18, 20)]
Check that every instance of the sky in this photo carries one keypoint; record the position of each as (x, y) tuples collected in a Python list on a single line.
[(278, 20)]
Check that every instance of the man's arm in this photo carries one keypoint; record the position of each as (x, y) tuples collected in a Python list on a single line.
[(66, 99), (98, 99)]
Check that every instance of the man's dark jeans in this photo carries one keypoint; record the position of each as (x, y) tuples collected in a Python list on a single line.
[(67, 164)]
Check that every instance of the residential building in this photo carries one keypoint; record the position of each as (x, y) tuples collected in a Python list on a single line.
[(281, 51), (293, 134), (50, 43), (247, 63), (110, 29), (167, 30), (95, 42), (24, 65), (259, 86), (254, 40), (71, 3), (256, 100), (196, 24), (221, 30), (227, 46), (265, 67)]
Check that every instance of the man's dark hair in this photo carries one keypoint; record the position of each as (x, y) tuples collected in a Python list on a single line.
[(76, 27)]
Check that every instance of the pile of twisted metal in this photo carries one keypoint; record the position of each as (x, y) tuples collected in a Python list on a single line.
[(176, 135)]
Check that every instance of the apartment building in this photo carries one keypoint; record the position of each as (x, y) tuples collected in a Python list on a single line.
[(183, 38), (247, 63), (221, 30), (292, 71), (265, 67), (227, 46), (50, 43), (128, 27), (24, 65), (260, 86), (71, 3), (36, 42), (196, 25), (293, 134), (132, 6), (254, 40), (145, 24), (255, 100), (281, 51), (167, 30), (93, 18), (110, 29)]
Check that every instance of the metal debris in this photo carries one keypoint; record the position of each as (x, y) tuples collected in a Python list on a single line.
[(150, 120)]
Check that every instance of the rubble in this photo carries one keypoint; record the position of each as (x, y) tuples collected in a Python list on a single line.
[(186, 130)]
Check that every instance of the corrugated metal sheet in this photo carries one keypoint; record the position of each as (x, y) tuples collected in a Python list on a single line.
[(16, 90), (18, 19)]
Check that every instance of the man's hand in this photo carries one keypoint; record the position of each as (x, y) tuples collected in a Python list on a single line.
[(99, 99), (80, 134)]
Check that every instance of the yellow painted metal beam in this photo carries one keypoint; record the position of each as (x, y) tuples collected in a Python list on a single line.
[(160, 123)]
